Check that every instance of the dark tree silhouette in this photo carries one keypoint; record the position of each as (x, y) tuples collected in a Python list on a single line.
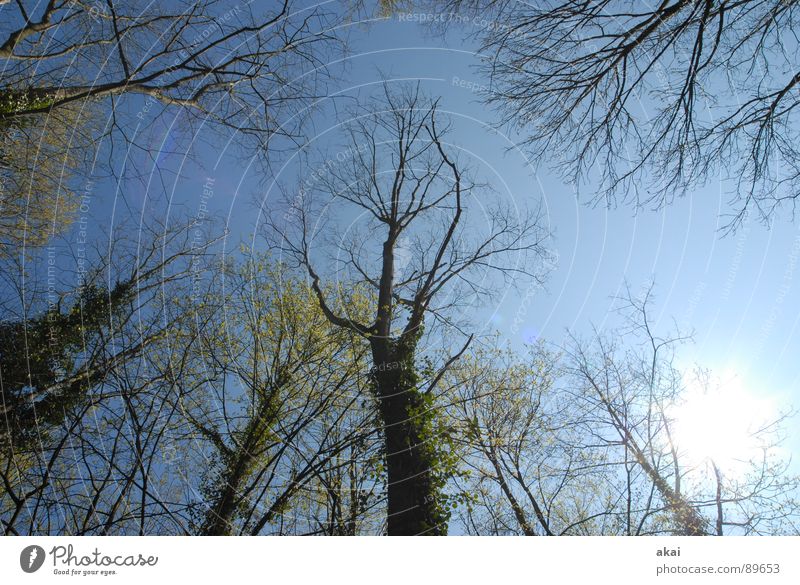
[(402, 175), (648, 100), (244, 67)]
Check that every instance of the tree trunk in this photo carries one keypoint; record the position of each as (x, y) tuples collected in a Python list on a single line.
[(414, 506), (227, 495), (220, 516), (688, 520)]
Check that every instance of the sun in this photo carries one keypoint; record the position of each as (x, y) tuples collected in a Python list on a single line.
[(720, 419)]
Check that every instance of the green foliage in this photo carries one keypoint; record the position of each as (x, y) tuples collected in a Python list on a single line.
[(42, 158), (290, 371), (41, 359), (13, 101)]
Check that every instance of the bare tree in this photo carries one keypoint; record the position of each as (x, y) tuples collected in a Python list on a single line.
[(651, 100), (627, 405), (74, 73), (533, 465), (401, 175), (587, 441), (238, 65), (625, 386)]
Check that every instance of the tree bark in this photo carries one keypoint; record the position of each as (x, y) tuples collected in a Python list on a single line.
[(220, 516), (413, 502)]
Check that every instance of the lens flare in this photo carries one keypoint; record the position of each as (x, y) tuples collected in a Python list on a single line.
[(720, 420)]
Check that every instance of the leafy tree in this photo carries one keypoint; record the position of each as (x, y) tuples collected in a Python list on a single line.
[(280, 400), (40, 157), (73, 352), (416, 195), (522, 473)]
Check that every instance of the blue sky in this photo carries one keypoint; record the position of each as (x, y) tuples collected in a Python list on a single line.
[(736, 292)]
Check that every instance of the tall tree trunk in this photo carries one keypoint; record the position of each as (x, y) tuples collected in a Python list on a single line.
[(220, 516), (688, 520), (414, 505), (239, 462)]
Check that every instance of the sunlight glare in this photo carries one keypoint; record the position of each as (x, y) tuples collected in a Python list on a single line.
[(719, 421)]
